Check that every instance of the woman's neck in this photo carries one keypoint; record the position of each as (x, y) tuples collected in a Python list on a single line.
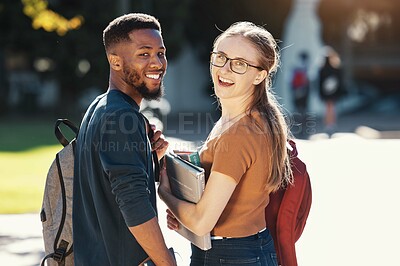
[(234, 107)]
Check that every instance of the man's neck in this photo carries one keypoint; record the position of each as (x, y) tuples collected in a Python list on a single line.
[(128, 90)]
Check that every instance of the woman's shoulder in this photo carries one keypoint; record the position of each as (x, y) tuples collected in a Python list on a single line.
[(248, 129), (253, 124)]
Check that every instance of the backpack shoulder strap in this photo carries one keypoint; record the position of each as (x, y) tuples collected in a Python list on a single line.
[(150, 134), (60, 136)]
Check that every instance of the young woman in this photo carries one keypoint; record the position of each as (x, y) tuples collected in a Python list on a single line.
[(244, 156)]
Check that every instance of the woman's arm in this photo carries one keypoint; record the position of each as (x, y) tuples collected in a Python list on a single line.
[(200, 218)]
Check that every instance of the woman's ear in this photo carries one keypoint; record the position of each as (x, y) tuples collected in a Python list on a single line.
[(260, 77), (115, 61)]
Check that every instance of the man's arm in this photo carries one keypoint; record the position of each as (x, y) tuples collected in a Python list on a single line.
[(150, 237)]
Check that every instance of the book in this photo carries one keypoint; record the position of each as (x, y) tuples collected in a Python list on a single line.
[(190, 156), (187, 183)]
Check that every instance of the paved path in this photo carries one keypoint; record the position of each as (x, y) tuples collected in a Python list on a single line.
[(353, 221), (20, 240), (354, 218)]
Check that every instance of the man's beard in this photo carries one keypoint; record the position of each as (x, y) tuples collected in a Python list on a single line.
[(150, 95), (132, 77)]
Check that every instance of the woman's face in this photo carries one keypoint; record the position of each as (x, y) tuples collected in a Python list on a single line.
[(228, 84)]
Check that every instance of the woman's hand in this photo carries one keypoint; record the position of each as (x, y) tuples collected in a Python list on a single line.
[(164, 186), (172, 222)]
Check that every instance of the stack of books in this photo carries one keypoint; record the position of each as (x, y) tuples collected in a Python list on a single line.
[(187, 181)]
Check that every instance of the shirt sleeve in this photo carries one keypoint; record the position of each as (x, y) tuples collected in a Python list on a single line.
[(233, 155), (124, 155)]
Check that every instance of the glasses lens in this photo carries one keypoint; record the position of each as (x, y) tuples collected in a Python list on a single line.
[(238, 66), (218, 59)]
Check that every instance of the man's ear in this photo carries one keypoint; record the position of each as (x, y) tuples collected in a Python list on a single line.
[(115, 61), (260, 77)]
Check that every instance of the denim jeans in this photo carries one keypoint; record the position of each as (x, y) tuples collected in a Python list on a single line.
[(254, 250)]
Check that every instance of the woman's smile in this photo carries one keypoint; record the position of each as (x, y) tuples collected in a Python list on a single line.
[(225, 82)]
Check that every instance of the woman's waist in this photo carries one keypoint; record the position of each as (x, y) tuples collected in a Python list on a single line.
[(235, 223), (239, 228), (256, 235)]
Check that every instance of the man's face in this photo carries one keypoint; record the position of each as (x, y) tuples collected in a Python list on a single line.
[(144, 63)]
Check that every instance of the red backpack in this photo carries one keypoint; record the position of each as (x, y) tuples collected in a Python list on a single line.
[(299, 79), (288, 209)]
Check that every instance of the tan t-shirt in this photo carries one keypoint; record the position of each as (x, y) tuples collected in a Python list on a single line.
[(243, 153)]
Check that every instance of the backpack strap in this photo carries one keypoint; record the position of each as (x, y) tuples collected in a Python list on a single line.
[(292, 148), (60, 136), (150, 134), (59, 254)]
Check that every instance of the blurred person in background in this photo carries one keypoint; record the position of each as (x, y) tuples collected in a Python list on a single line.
[(330, 87), (300, 84), (244, 156)]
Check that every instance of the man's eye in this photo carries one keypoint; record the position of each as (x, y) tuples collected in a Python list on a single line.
[(161, 54), (144, 54)]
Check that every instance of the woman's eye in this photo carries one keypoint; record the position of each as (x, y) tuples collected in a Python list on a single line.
[(240, 63)]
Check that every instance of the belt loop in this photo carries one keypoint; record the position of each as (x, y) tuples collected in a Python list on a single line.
[(260, 232)]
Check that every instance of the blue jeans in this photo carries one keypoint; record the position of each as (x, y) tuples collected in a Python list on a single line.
[(254, 250)]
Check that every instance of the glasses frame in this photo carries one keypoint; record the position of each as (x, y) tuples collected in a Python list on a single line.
[(230, 63)]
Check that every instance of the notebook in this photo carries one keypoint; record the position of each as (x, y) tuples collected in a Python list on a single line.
[(187, 182)]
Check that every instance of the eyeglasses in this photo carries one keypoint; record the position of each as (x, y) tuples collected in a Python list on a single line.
[(238, 66)]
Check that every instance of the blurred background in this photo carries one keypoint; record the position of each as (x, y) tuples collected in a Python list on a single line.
[(52, 59), (53, 64)]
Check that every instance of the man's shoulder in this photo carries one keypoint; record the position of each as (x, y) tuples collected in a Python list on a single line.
[(116, 104), (109, 109), (117, 97)]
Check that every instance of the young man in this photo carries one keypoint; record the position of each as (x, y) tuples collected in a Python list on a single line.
[(114, 208)]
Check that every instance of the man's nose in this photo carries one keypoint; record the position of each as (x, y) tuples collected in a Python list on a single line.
[(157, 62)]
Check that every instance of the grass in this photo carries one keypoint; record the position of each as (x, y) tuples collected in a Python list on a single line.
[(19, 135), (22, 178), (27, 149)]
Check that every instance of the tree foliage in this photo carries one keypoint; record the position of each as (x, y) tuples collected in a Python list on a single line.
[(42, 17)]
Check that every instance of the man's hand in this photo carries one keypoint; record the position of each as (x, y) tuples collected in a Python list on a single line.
[(158, 143), (150, 237)]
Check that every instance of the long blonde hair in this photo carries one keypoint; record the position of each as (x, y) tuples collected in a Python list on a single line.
[(264, 101)]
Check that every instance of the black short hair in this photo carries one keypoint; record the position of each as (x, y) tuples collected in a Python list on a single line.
[(118, 30)]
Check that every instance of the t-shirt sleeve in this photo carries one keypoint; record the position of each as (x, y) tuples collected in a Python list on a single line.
[(123, 152), (233, 155)]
